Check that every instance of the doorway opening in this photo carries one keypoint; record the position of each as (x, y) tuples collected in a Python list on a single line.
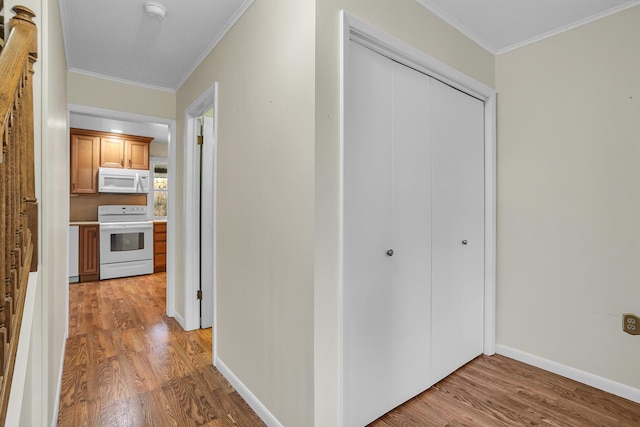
[(206, 213), (161, 149), (199, 212)]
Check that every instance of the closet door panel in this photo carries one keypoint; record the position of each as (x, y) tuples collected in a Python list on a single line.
[(386, 207), (367, 234), (458, 229), (411, 231)]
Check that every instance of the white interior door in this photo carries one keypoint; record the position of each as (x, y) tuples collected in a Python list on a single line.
[(458, 229), (387, 205), (206, 220), (410, 233)]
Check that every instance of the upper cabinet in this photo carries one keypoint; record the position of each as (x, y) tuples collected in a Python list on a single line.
[(112, 153), (124, 153), (85, 152), (137, 154), (91, 150)]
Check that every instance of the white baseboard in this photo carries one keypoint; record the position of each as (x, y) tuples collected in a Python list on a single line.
[(584, 377), (16, 392), (178, 318), (249, 397)]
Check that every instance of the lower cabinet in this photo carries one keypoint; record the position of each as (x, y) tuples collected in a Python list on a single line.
[(159, 247), (89, 265)]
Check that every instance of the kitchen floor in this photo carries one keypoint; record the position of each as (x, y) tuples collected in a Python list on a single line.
[(128, 364)]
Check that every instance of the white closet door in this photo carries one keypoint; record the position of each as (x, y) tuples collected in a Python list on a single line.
[(387, 206), (207, 219), (458, 229), (410, 232)]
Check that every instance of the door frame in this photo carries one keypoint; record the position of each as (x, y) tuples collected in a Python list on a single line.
[(207, 100), (356, 29), (170, 307)]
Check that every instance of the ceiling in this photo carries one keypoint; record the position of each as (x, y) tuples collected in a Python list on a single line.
[(503, 25), (118, 40)]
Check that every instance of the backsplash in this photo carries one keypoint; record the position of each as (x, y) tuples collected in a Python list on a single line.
[(85, 207)]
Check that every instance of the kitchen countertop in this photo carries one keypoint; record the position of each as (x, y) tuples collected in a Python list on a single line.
[(84, 223)]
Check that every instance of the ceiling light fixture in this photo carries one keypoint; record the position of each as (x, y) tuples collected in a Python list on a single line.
[(155, 10)]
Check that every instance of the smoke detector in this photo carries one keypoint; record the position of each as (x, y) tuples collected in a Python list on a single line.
[(155, 10)]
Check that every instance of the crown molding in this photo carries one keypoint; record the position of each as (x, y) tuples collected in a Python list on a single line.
[(119, 80), (433, 8), (230, 23), (570, 26), (429, 5)]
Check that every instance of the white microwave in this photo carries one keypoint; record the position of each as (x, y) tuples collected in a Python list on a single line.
[(133, 181)]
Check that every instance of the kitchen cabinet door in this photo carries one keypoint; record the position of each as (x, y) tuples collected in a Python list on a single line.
[(84, 163), (159, 247), (112, 153), (137, 154), (89, 264)]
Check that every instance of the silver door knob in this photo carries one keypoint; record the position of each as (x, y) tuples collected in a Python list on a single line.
[(464, 242), (390, 252)]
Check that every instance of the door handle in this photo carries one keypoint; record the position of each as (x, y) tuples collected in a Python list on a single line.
[(129, 162), (390, 252)]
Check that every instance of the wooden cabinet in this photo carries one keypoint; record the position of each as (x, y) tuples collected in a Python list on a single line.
[(159, 247), (112, 153), (84, 163), (89, 248), (124, 153), (91, 150), (137, 154)]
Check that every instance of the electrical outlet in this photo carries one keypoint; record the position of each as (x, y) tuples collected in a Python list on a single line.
[(631, 324)]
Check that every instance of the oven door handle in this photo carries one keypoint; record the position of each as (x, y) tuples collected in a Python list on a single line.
[(125, 228)]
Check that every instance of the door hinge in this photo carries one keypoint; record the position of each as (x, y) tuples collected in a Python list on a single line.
[(200, 139), (199, 294)]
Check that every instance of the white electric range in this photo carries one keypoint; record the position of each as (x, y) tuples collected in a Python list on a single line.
[(126, 241)]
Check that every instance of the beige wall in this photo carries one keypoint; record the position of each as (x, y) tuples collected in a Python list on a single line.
[(90, 91), (410, 22), (265, 70), (157, 149), (55, 187), (569, 197)]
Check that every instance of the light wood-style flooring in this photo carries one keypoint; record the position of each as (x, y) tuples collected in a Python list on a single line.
[(498, 391), (128, 364)]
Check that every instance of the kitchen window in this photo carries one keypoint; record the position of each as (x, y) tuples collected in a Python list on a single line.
[(158, 194)]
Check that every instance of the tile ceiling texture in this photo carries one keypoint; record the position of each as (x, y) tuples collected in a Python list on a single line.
[(116, 39)]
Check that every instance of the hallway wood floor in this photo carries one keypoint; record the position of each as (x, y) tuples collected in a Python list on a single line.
[(498, 391), (128, 364)]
